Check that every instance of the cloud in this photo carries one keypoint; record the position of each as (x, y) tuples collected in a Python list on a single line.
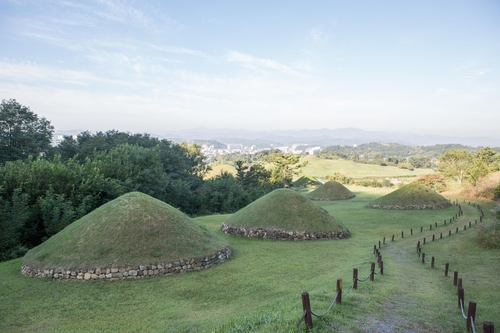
[(254, 62), (316, 35), (179, 50)]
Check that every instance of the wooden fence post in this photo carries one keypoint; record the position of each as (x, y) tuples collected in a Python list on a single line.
[(471, 313), (457, 230), (339, 291), (455, 278), (384, 241), (488, 327), (393, 238), (430, 226), (374, 249), (421, 228), (379, 244), (449, 234), (436, 224), (441, 235), (460, 297), (433, 238), (306, 307), (372, 273), (355, 278), (446, 268), (444, 222), (411, 231), (402, 234), (432, 262), (470, 223), (424, 240), (423, 258), (465, 227), (459, 282)]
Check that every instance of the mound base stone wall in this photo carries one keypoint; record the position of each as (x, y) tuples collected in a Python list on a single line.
[(180, 266), (410, 207), (283, 235)]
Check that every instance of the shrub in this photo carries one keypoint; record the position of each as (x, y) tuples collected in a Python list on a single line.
[(488, 234)]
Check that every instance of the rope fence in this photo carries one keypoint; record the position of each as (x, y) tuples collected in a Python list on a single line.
[(488, 327)]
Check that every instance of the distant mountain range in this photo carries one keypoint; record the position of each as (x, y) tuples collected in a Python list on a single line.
[(322, 137), (319, 137)]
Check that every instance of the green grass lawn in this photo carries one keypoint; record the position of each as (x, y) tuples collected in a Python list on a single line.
[(321, 167), (259, 288)]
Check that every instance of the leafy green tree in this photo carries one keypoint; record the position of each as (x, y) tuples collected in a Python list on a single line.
[(22, 132), (485, 161), (456, 164), (222, 194), (284, 167), (13, 215)]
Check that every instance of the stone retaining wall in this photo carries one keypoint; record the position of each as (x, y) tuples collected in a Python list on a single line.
[(330, 199), (132, 272), (284, 235), (409, 207)]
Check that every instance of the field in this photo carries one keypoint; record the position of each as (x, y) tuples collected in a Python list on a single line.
[(319, 168), (259, 289)]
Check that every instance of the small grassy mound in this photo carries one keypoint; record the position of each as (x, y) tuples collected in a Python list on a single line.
[(284, 209), (130, 230), (306, 181), (331, 190), (411, 196)]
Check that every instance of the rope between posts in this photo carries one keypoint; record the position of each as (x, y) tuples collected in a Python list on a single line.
[(331, 305), (366, 278), (378, 271), (302, 319), (462, 308), (472, 325), (352, 287)]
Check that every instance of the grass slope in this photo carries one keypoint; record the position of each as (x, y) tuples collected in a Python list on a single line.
[(306, 181), (287, 210), (331, 190), (259, 289), (413, 194), (130, 230), (319, 168)]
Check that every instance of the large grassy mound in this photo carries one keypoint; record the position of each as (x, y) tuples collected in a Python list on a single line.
[(306, 181), (331, 190), (130, 230), (284, 209), (411, 196)]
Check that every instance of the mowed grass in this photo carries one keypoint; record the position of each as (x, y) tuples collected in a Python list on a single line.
[(218, 169), (259, 289), (322, 167)]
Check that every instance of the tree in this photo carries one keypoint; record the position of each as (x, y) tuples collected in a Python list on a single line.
[(22, 132), (456, 164), (484, 162), (285, 166)]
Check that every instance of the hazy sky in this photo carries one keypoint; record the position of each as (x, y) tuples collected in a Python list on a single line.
[(152, 66)]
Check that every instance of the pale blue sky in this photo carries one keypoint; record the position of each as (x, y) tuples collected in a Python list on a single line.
[(427, 67)]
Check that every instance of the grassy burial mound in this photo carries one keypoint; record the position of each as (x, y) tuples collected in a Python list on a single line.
[(329, 191), (132, 236), (284, 214), (411, 196), (306, 181)]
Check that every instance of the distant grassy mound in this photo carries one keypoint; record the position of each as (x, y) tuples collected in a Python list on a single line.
[(331, 190), (306, 181), (284, 212), (134, 229), (411, 196)]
